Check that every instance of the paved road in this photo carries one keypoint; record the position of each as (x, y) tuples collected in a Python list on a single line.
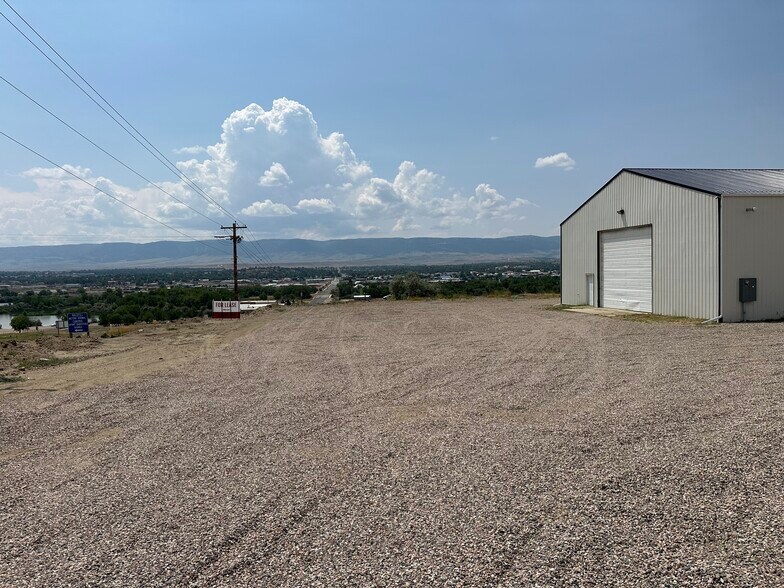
[(323, 296), (443, 443)]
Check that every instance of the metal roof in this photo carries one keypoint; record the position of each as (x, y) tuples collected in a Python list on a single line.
[(719, 181)]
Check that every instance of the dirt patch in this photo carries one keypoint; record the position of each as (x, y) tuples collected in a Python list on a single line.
[(101, 436), (20, 354), (11, 454), (51, 363)]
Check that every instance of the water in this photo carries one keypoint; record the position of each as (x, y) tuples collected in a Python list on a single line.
[(47, 320)]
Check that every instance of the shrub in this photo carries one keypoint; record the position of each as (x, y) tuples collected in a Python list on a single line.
[(21, 322), (410, 286)]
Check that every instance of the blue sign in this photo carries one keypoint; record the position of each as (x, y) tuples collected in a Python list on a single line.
[(78, 322)]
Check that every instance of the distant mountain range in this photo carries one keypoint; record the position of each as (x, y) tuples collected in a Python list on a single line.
[(394, 251)]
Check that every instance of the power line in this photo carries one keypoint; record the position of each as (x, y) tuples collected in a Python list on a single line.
[(94, 144), (248, 253), (264, 258), (87, 235), (259, 249), (253, 257), (159, 156), (236, 240), (69, 172), (258, 244)]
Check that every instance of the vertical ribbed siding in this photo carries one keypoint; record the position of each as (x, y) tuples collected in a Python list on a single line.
[(753, 247), (685, 242)]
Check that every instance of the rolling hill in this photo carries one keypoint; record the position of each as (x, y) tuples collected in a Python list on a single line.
[(379, 251)]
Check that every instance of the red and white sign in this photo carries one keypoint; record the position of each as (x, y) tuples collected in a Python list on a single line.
[(226, 309)]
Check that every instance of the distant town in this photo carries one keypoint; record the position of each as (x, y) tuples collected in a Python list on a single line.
[(126, 297), (146, 280)]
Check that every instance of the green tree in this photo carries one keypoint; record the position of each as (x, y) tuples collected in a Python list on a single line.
[(172, 314), (377, 290), (21, 322), (345, 288), (416, 287), (397, 287)]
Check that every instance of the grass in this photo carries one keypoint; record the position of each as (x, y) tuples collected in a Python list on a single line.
[(112, 332), (24, 336), (9, 379), (540, 295), (660, 318), (565, 306), (95, 331), (29, 364), (640, 317)]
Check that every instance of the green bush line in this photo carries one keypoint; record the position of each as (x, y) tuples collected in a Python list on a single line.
[(115, 307), (412, 285)]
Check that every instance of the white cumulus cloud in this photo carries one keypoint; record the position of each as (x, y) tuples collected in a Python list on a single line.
[(316, 205), (194, 150), (404, 224), (267, 208), (561, 160), (275, 176), (277, 168)]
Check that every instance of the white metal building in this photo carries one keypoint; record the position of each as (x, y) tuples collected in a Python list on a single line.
[(680, 242)]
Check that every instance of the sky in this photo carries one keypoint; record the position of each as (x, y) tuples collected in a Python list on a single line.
[(373, 119)]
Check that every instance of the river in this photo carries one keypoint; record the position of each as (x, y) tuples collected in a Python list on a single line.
[(47, 320)]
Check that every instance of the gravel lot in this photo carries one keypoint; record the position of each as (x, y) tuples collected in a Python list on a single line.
[(486, 442)]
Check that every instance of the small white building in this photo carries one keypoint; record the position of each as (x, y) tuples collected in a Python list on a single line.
[(680, 242)]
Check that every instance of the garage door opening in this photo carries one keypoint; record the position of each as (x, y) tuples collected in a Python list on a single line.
[(626, 278)]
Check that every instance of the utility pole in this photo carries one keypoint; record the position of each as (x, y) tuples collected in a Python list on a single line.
[(235, 239)]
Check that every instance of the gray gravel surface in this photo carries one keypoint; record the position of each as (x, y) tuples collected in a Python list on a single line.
[(469, 443)]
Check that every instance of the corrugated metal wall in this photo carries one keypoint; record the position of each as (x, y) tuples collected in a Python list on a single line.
[(753, 247), (685, 243)]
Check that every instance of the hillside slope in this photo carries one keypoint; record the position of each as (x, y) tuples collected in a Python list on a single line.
[(281, 251)]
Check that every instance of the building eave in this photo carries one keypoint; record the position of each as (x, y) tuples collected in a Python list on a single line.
[(643, 175)]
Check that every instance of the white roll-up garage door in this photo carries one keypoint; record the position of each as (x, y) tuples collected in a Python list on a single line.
[(626, 269)]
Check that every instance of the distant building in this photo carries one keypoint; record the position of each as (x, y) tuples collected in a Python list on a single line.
[(681, 242)]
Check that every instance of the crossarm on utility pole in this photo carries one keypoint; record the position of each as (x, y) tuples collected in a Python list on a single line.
[(235, 239)]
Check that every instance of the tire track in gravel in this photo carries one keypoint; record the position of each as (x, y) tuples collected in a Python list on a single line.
[(464, 443), (362, 402), (204, 570), (245, 533)]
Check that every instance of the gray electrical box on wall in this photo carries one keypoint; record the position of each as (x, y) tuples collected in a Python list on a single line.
[(747, 289)]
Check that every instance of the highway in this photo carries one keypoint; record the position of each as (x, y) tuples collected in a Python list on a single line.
[(325, 295)]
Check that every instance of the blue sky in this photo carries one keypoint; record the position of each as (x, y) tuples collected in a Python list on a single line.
[(471, 93)]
